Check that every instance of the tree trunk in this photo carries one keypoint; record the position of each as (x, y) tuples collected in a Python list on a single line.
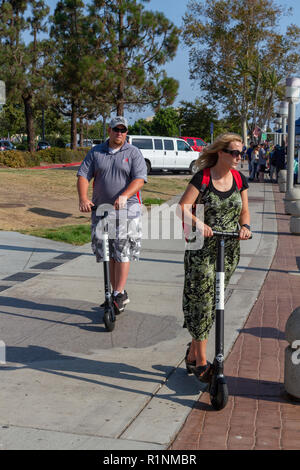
[(27, 99), (121, 85), (81, 132), (74, 127), (120, 105)]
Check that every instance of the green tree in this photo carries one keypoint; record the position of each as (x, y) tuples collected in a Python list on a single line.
[(138, 43), (78, 64), (22, 65), (141, 127), (232, 43), (195, 119), (54, 123), (166, 122), (12, 119), (95, 130)]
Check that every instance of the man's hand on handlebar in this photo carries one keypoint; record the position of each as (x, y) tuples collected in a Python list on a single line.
[(85, 205), (120, 202)]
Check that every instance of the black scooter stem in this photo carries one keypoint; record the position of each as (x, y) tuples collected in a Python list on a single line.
[(220, 280)]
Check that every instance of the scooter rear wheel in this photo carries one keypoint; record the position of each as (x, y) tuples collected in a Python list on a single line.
[(109, 320), (219, 394)]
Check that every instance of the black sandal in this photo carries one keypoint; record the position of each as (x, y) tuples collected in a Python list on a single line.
[(203, 372), (190, 365)]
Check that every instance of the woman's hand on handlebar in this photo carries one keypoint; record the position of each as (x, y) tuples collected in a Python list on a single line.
[(245, 234), (85, 205), (205, 230)]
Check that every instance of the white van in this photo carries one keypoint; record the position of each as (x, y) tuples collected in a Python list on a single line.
[(165, 153)]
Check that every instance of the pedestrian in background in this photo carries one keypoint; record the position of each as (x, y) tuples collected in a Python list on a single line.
[(272, 164), (254, 162), (280, 159), (248, 155), (262, 161), (296, 169)]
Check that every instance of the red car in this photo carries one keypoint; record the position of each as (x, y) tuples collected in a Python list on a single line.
[(196, 143)]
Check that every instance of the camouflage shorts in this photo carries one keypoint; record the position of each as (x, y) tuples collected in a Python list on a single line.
[(124, 240)]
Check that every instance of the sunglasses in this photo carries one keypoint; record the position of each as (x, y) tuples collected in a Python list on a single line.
[(233, 153), (117, 129)]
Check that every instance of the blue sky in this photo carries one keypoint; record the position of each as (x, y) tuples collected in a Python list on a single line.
[(178, 68)]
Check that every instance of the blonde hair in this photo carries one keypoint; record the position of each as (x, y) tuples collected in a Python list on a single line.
[(209, 157)]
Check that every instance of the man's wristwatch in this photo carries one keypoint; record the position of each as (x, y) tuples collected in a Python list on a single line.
[(247, 226)]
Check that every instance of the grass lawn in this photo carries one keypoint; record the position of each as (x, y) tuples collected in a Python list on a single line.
[(73, 234), (44, 203)]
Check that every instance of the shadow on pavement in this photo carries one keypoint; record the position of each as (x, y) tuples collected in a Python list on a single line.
[(253, 389), (93, 371), (264, 332)]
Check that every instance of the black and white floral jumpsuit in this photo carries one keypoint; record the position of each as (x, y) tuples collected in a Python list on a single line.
[(221, 212)]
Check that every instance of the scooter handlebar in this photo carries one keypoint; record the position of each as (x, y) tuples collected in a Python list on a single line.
[(228, 234), (105, 213)]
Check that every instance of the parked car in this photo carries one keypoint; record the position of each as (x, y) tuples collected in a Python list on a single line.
[(6, 145), (86, 143), (165, 153), (196, 143), (43, 145)]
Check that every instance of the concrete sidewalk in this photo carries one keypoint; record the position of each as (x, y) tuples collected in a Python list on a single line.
[(69, 384)]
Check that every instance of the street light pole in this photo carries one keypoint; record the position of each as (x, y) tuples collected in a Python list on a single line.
[(283, 110), (292, 195), (291, 147), (292, 96)]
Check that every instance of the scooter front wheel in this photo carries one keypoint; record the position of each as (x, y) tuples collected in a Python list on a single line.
[(109, 320), (219, 393)]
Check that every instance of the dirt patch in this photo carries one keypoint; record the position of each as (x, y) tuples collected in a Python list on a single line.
[(42, 198), (48, 198)]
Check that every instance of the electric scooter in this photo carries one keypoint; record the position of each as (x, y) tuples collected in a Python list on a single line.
[(218, 389), (109, 316)]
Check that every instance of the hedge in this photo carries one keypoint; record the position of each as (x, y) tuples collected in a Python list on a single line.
[(20, 159)]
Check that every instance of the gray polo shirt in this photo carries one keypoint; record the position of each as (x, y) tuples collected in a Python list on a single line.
[(112, 173)]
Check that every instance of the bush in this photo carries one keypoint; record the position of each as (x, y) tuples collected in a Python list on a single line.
[(55, 155), (21, 147), (19, 159), (79, 154), (61, 155), (60, 142)]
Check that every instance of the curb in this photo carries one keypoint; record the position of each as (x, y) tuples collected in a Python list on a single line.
[(53, 165)]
